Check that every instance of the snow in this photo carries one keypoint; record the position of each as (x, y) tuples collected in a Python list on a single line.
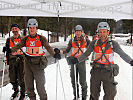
[(43, 33), (124, 79)]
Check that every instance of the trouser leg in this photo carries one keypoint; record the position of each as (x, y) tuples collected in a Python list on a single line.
[(21, 76), (72, 75), (108, 86), (29, 80), (13, 74), (95, 83), (82, 78), (40, 82)]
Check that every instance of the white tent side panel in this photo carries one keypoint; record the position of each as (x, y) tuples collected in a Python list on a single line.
[(116, 9)]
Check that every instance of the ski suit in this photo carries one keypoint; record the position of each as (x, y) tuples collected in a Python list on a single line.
[(34, 65), (101, 72), (16, 65), (80, 67)]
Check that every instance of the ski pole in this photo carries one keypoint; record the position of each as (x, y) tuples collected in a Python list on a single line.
[(132, 67), (61, 79), (56, 79), (2, 77), (75, 81)]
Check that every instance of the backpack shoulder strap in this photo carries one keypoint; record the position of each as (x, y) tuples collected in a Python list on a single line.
[(96, 42), (26, 39), (12, 40), (110, 41), (41, 40)]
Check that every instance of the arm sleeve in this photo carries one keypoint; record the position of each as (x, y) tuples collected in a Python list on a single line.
[(90, 48), (123, 55), (7, 42), (47, 46), (68, 47), (19, 45)]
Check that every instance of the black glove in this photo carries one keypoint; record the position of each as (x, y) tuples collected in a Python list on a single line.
[(57, 55), (4, 49), (56, 50), (131, 63), (74, 60)]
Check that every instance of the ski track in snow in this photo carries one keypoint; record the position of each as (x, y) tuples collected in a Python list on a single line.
[(124, 79)]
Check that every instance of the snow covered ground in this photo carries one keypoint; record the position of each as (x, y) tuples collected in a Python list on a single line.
[(124, 79)]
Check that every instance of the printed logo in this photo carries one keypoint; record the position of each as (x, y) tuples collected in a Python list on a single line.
[(16, 42), (101, 50), (32, 43)]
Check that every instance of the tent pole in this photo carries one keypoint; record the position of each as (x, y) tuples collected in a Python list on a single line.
[(58, 27), (58, 22)]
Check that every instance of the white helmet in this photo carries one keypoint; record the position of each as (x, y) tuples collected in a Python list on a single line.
[(78, 28), (103, 25), (32, 23)]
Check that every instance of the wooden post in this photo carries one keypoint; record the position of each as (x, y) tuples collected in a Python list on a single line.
[(24, 25), (48, 36), (65, 29), (2, 30), (58, 20)]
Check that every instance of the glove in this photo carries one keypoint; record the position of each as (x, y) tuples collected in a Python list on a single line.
[(74, 60), (56, 50), (57, 55), (4, 49), (131, 62)]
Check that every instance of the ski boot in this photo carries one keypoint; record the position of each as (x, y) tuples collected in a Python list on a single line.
[(83, 98), (15, 94)]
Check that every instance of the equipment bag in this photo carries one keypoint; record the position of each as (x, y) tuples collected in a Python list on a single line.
[(42, 61), (115, 69)]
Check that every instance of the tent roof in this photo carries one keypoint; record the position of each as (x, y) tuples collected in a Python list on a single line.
[(114, 9)]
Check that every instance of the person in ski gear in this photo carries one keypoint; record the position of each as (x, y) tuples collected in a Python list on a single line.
[(15, 62), (78, 44), (103, 67), (35, 60)]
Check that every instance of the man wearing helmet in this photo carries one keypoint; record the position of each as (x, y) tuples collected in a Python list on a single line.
[(103, 67), (78, 45), (35, 61)]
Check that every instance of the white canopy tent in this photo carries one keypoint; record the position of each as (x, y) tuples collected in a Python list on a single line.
[(113, 9)]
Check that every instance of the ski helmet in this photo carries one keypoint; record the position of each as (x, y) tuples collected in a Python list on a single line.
[(103, 25), (32, 23), (78, 28)]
